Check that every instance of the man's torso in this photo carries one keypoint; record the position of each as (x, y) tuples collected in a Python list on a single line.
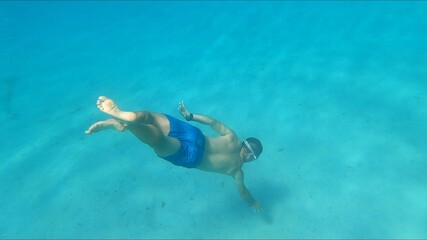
[(222, 155)]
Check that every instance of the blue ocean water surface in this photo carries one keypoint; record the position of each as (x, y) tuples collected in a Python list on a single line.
[(335, 90)]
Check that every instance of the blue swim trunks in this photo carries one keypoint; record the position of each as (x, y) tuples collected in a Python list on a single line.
[(190, 154)]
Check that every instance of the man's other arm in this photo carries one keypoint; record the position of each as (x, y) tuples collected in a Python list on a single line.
[(244, 192)]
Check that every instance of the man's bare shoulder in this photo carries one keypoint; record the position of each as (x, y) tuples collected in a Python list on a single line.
[(232, 139), (228, 141)]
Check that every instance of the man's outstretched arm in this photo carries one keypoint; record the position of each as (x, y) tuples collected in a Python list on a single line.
[(216, 125), (244, 192)]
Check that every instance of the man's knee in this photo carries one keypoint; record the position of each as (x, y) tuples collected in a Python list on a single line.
[(144, 117)]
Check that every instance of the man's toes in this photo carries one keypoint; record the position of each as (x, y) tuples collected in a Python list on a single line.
[(102, 98), (89, 131), (92, 128)]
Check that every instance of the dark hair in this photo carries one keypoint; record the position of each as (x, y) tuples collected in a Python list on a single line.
[(256, 145)]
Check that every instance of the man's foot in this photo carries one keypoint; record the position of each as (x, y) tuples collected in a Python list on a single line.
[(107, 124), (110, 107)]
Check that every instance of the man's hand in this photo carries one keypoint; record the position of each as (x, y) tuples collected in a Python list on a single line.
[(256, 206), (183, 110)]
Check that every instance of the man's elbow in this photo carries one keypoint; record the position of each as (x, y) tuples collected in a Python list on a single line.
[(242, 191)]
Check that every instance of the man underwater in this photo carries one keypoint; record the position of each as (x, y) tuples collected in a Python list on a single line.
[(185, 145)]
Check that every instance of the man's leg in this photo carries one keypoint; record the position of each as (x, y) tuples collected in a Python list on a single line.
[(150, 128)]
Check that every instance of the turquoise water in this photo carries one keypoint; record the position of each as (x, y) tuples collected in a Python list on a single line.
[(335, 90)]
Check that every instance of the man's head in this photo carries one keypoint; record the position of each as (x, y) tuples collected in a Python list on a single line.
[(253, 147)]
